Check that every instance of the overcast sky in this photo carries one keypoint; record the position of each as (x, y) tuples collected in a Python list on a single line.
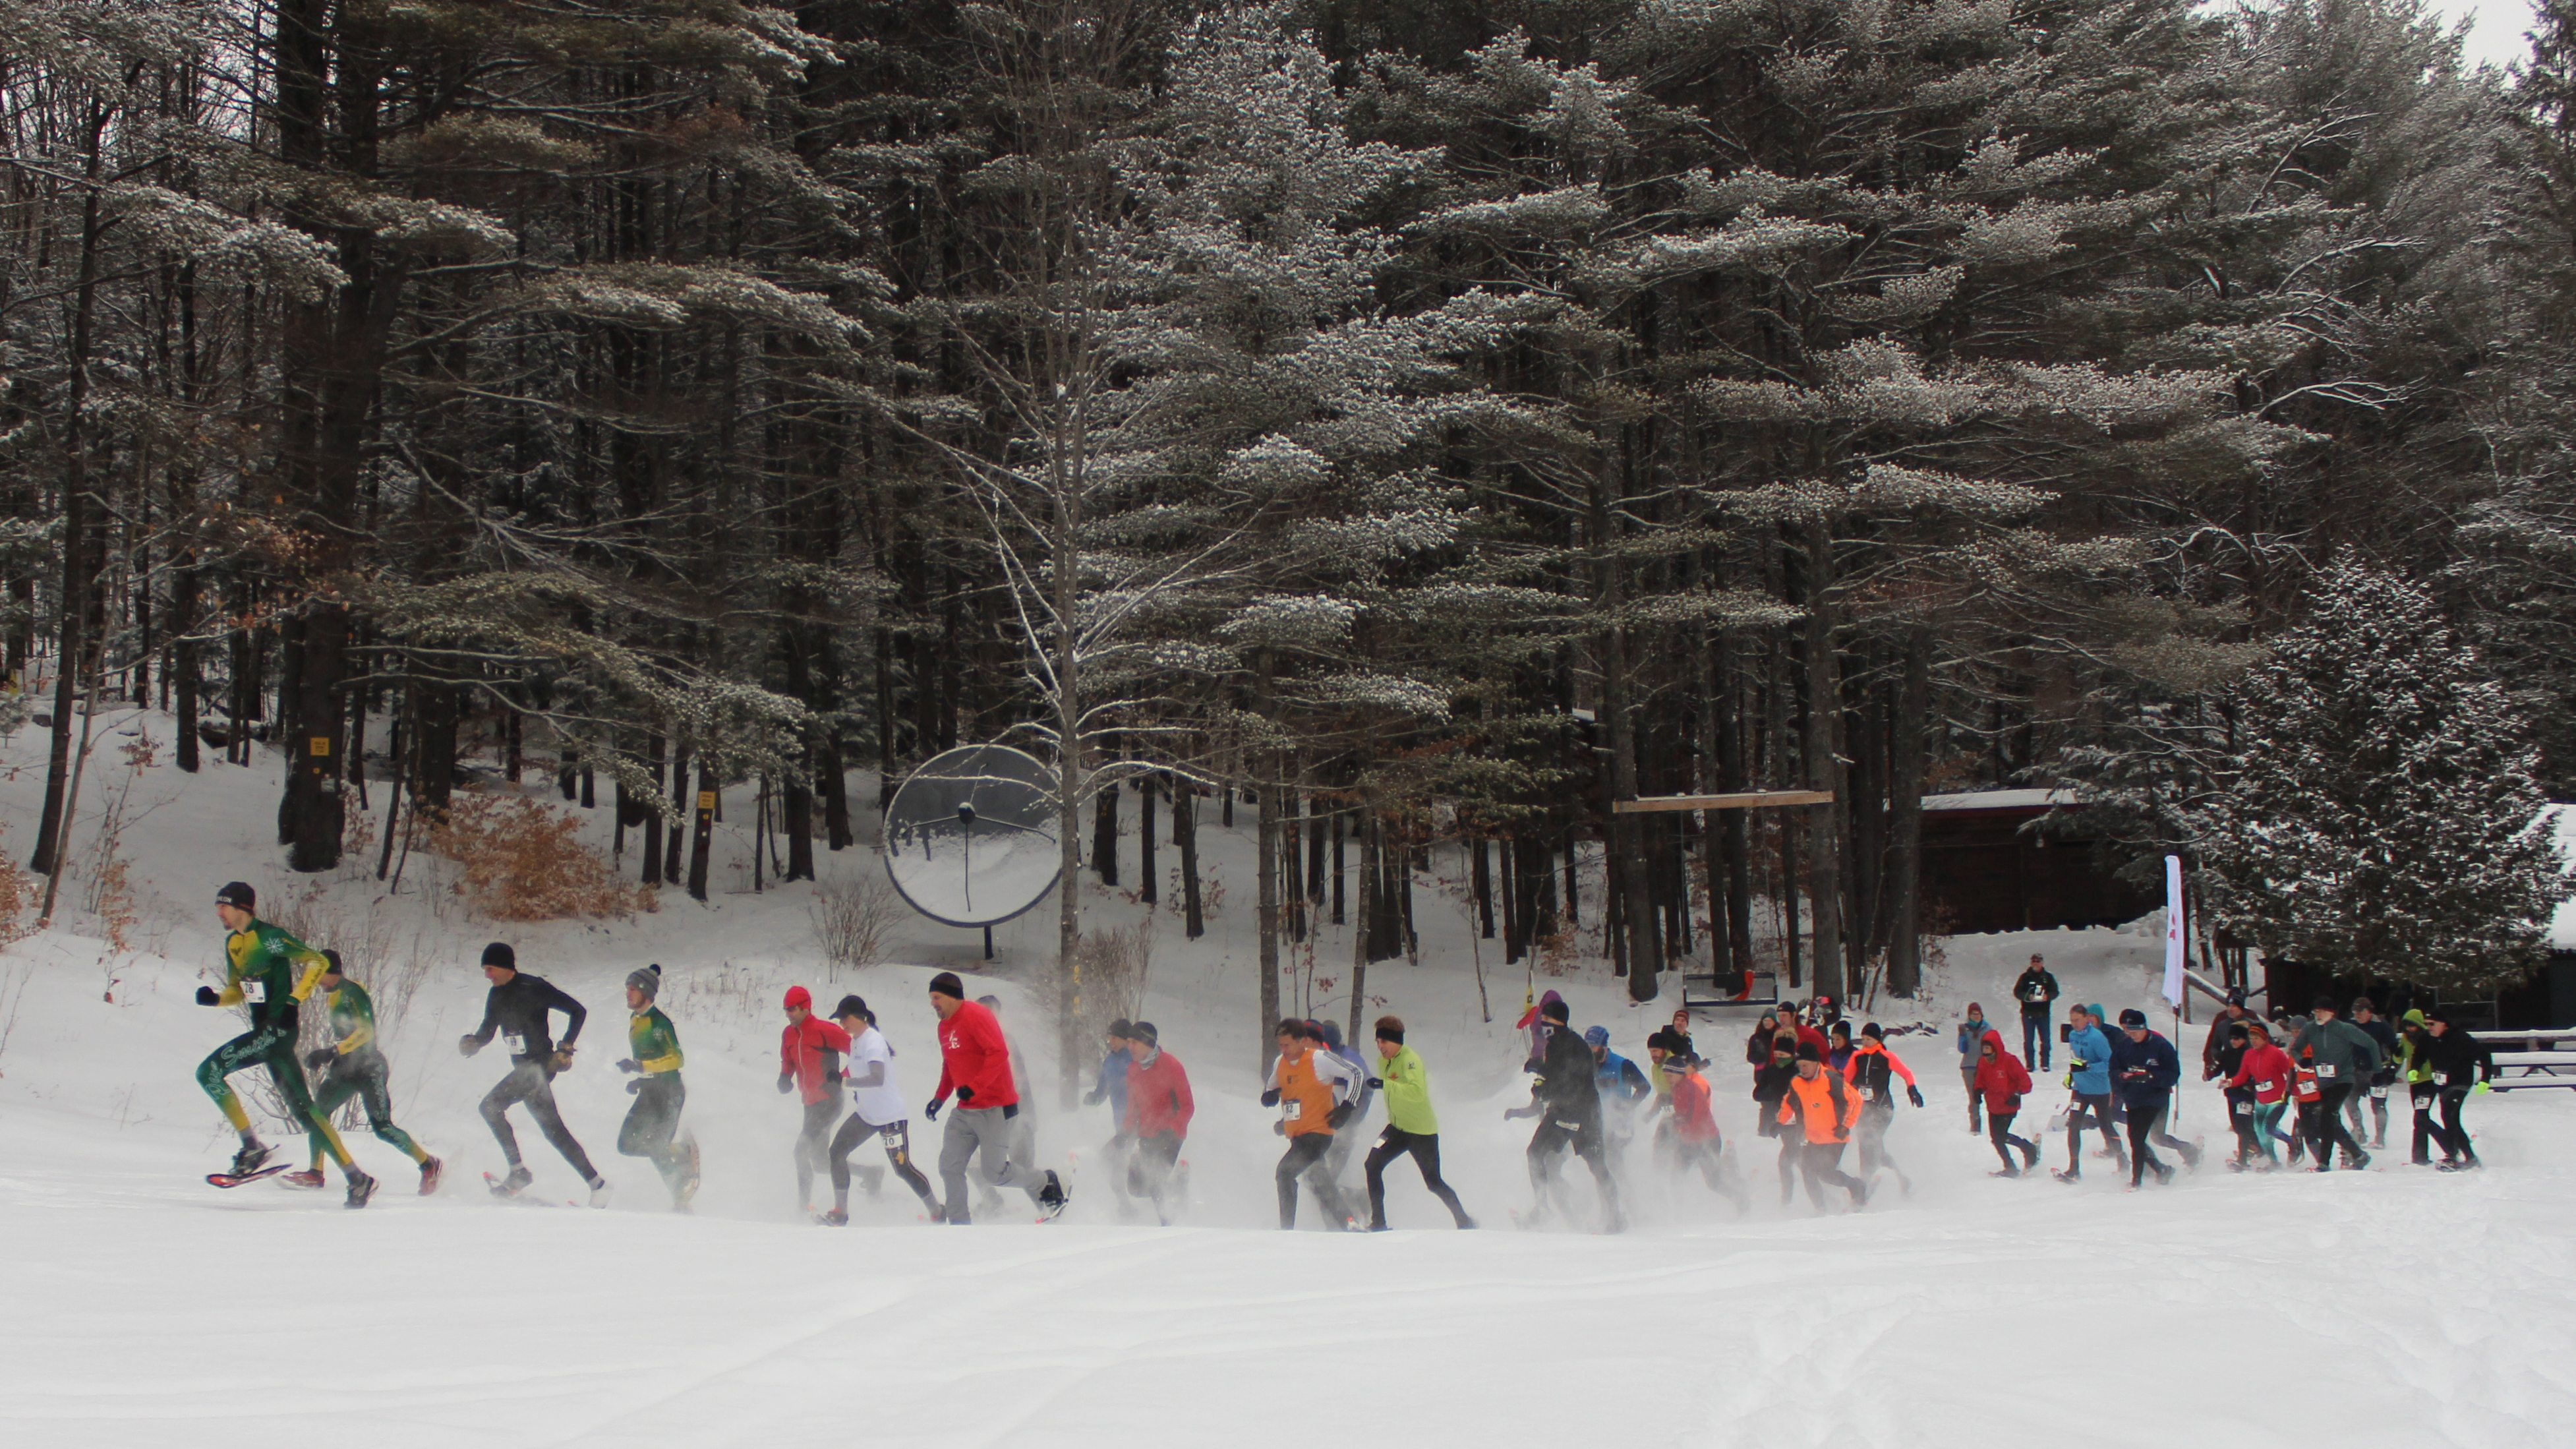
[(2500, 26)]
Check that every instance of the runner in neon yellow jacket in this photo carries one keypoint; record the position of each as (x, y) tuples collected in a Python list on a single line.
[(1411, 1125)]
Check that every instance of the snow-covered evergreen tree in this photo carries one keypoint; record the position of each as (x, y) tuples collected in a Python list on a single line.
[(2383, 815)]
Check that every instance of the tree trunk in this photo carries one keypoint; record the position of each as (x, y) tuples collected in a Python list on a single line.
[(1147, 889), (1104, 835), (184, 671), (703, 828), (1266, 885), (1185, 836), (650, 817), (1824, 693), (1905, 827), (680, 808)]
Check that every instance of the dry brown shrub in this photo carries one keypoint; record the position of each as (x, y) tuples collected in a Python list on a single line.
[(1114, 963), (17, 894), (518, 860), (854, 921)]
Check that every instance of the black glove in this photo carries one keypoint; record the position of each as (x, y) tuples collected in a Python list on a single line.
[(467, 1046), (1270, 1098), (1914, 1095), (834, 1079), (786, 1080), (931, 1112), (206, 997), (560, 1062), (1091, 1099), (1010, 1110), (965, 1096), (635, 1086), (629, 1064), (1278, 1129), (1339, 1115), (318, 1058), (1377, 1084)]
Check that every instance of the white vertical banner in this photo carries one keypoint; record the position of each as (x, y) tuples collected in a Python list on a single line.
[(2173, 931)]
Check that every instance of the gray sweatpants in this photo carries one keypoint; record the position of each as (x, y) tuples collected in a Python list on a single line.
[(999, 1138)]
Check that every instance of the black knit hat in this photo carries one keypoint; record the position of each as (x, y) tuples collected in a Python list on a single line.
[(648, 981), (499, 954), (2325, 1003), (1874, 1032), (1143, 1031), (239, 896), (1121, 1027), (1556, 1010), (947, 984), (1807, 1052), (2132, 1019), (333, 969)]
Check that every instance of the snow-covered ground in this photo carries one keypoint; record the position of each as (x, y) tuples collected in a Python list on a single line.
[(138, 1305)]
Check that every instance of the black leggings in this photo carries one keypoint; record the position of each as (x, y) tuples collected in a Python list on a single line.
[(1553, 1140), (2096, 1107), (2423, 1096), (2146, 1133), (1305, 1157), (2455, 1138), (1820, 1163), (2326, 1131), (1425, 1148), (1999, 1132), (529, 1082), (897, 1137)]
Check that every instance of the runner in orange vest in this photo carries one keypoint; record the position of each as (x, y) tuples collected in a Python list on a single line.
[(1824, 1108), (1313, 1090)]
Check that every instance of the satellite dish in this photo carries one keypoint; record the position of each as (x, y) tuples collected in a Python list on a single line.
[(970, 835)]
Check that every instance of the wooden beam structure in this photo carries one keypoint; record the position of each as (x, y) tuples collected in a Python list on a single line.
[(1752, 800)]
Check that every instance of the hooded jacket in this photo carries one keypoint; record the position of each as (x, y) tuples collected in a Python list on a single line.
[(2088, 1055), (2415, 1048), (2001, 1078)]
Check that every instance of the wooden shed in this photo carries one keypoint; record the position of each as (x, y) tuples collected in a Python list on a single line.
[(1984, 871)]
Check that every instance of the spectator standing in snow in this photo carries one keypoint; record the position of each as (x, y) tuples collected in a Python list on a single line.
[(2344, 1057), (1411, 1126), (1313, 1090), (809, 1064), (2036, 990), (2147, 1070), (1972, 1041), (1159, 1108), (1821, 1109), (2461, 1065), (2088, 1078), (975, 1064), (2002, 1080)]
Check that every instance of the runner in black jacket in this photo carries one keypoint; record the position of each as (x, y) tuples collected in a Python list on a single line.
[(2460, 1062), (516, 1008), (1567, 1102)]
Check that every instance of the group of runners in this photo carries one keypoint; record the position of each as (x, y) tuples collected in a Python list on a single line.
[(1818, 1086)]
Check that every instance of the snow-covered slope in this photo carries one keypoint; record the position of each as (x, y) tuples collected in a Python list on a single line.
[(139, 1306)]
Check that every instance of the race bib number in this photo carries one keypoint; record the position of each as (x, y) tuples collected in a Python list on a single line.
[(2379, 1094), (2327, 1071), (515, 1042), (2441, 1079), (1293, 1110), (2244, 1109), (255, 992)]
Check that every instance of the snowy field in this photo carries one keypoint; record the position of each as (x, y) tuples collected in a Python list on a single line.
[(139, 1306)]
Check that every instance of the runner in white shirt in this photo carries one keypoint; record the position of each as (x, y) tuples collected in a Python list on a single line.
[(876, 1110)]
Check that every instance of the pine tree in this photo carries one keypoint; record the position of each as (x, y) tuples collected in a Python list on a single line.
[(2382, 814)]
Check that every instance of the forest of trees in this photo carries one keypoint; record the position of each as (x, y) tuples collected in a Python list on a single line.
[(1406, 420)]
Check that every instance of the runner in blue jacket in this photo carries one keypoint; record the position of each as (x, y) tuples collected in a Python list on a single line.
[(2088, 1076)]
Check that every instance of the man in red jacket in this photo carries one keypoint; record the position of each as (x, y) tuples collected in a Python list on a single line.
[(2002, 1079), (1159, 1107), (810, 1052), (975, 1063)]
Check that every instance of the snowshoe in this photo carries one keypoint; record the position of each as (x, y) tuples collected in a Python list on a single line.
[(2069, 1178), (511, 1186), (2005, 1172), (2029, 1156), (247, 1162), (2164, 1175), (361, 1188), (600, 1192), (1052, 1198), (834, 1218), (429, 1174), (302, 1177), (227, 1179)]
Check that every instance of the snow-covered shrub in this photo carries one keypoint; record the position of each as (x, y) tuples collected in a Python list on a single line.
[(518, 859), (853, 920)]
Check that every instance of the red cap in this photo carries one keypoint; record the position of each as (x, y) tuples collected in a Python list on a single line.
[(799, 996)]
